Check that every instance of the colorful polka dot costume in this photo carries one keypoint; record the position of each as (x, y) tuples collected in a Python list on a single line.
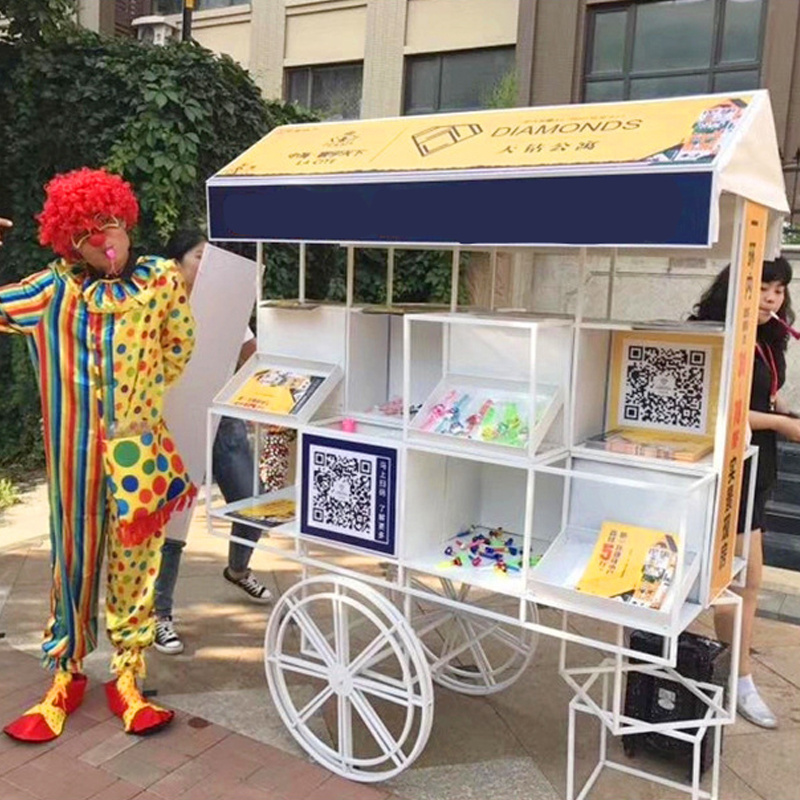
[(275, 453), (105, 351)]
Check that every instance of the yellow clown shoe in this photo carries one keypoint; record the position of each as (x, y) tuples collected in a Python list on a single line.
[(45, 721), (126, 701)]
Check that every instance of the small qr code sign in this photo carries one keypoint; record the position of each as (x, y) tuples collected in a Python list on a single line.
[(349, 493), (665, 386)]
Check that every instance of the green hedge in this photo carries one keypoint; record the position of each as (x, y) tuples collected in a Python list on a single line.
[(165, 117)]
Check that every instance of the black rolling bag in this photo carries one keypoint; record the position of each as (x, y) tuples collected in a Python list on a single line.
[(654, 699)]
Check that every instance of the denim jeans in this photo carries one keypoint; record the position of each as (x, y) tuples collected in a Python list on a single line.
[(233, 472), (167, 576)]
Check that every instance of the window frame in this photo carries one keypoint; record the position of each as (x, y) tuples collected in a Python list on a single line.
[(627, 76), (440, 55), (310, 69)]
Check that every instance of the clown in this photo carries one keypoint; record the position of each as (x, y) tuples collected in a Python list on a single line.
[(107, 334)]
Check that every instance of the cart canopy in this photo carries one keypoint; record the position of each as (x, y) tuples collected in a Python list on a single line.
[(637, 174)]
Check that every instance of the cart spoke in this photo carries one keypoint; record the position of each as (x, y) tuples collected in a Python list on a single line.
[(476, 648), (376, 651), (312, 631), (433, 620), (379, 732), (399, 694), (345, 729), (310, 708), (508, 639), (341, 630), (301, 666)]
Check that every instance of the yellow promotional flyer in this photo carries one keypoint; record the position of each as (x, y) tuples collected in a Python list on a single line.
[(682, 131), (276, 391), (730, 490), (636, 565)]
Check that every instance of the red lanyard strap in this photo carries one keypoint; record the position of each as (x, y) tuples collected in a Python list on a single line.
[(769, 359)]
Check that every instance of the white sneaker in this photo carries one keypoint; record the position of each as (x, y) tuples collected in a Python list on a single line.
[(755, 710), (250, 585), (167, 640)]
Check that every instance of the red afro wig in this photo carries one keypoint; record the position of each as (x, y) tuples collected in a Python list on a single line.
[(76, 200)]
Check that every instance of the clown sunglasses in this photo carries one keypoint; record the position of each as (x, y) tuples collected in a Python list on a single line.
[(101, 224)]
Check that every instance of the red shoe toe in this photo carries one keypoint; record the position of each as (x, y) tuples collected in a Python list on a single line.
[(30, 728), (45, 721), (150, 719)]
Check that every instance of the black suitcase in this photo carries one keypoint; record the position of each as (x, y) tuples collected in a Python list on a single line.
[(653, 699)]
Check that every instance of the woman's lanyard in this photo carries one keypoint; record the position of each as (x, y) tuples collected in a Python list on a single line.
[(769, 359)]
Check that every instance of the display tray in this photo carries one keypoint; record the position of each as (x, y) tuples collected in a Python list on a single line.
[(487, 415), (278, 390), (665, 325), (555, 578), (291, 305), (369, 426), (250, 511), (433, 563), (399, 309), (589, 451)]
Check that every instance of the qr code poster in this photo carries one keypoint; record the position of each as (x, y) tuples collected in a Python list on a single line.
[(348, 493), (665, 382)]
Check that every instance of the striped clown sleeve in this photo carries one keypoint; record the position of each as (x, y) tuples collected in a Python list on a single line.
[(22, 304)]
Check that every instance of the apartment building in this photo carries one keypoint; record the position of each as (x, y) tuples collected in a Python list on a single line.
[(350, 58)]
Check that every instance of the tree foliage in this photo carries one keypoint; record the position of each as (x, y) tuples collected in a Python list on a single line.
[(164, 117), (34, 21)]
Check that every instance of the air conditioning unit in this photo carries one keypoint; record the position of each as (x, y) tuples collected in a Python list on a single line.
[(155, 29)]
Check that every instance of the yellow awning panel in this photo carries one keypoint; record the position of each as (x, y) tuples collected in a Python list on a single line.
[(691, 130)]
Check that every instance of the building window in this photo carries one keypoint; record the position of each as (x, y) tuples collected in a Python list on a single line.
[(176, 6), (461, 81), (664, 48), (334, 91)]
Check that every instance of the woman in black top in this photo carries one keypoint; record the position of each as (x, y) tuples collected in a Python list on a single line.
[(768, 417)]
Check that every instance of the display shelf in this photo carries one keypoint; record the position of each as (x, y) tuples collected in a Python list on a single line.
[(554, 579), (652, 523), (315, 332), (367, 427), (278, 390), (657, 390), (501, 388), (232, 512), (434, 565), (374, 374), (703, 466), (487, 414), (445, 495), (665, 326)]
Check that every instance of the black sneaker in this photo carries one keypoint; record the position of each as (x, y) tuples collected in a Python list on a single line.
[(167, 640), (249, 584)]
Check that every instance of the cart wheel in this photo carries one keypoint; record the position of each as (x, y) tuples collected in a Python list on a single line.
[(349, 678), (468, 653)]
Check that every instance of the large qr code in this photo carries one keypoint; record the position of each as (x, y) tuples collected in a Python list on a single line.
[(665, 387), (349, 492), (343, 492)]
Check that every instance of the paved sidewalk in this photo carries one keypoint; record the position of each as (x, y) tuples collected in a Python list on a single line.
[(228, 741)]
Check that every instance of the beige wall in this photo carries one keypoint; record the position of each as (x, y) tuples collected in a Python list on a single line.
[(221, 30), (325, 33), (228, 33), (97, 15), (440, 25)]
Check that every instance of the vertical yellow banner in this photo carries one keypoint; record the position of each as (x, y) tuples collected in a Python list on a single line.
[(745, 324)]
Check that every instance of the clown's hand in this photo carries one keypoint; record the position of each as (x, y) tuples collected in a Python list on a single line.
[(4, 223)]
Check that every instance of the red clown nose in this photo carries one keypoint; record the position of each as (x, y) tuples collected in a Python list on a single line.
[(97, 239)]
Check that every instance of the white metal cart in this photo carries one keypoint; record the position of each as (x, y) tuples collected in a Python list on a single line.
[(353, 648)]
